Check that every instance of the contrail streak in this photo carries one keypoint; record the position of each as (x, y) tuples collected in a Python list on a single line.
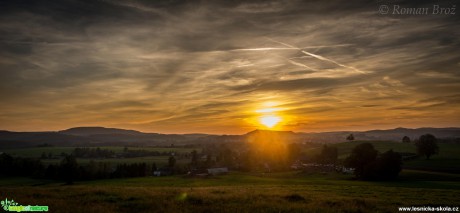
[(138, 6), (300, 65), (263, 49), (318, 56), (325, 46), (332, 61)]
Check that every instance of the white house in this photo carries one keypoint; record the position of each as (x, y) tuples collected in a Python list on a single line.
[(218, 171)]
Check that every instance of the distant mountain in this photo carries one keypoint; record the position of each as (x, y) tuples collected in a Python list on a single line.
[(27, 139), (270, 132), (94, 136), (398, 133), (87, 131), (280, 135), (383, 135), (99, 136)]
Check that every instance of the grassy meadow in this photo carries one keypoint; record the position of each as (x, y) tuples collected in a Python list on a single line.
[(419, 184), (239, 192)]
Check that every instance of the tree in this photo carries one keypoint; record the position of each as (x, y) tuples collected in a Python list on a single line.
[(328, 155), (406, 139), (194, 161), (226, 157), (427, 145), (154, 167), (350, 137), (69, 168), (361, 156), (294, 151), (389, 165), (171, 162), (209, 161), (371, 166)]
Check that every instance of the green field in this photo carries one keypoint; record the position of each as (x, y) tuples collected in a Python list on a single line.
[(36, 152), (239, 192), (159, 160), (419, 184), (447, 160)]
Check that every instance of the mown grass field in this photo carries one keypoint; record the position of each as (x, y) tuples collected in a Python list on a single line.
[(239, 192)]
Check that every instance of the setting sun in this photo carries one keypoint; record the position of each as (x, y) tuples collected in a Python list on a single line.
[(270, 120)]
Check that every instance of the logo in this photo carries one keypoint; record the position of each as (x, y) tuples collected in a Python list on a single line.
[(12, 206)]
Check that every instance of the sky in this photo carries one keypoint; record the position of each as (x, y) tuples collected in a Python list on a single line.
[(222, 67)]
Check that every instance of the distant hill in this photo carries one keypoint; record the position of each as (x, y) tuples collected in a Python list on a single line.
[(114, 136), (286, 136), (27, 139), (98, 136), (88, 131), (398, 133), (395, 135), (94, 136)]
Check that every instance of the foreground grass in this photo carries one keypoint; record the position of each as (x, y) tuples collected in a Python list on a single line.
[(239, 192)]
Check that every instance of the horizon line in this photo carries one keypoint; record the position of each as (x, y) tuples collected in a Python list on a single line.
[(118, 128)]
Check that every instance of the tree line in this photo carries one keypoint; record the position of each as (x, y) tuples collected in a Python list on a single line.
[(69, 170), (367, 162), (371, 165)]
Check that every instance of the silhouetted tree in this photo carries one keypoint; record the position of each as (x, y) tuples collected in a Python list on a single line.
[(69, 168), (154, 167), (171, 162), (226, 157), (371, 166), (17, 166), (406, 139), (209, 161), (389, 165), (294, 152), (427, 145), (350, 137), (194, 161), (6, 163), (328, 155), (51, 172), (361, 156)]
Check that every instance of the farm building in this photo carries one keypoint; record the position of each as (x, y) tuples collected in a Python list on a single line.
[(218, 171), (162, 172)]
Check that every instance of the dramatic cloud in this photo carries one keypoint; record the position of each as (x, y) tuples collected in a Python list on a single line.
[(197, 66)]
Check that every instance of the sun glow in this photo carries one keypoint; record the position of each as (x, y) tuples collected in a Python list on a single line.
[(268, 110), (270, 120), (269, 115)]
